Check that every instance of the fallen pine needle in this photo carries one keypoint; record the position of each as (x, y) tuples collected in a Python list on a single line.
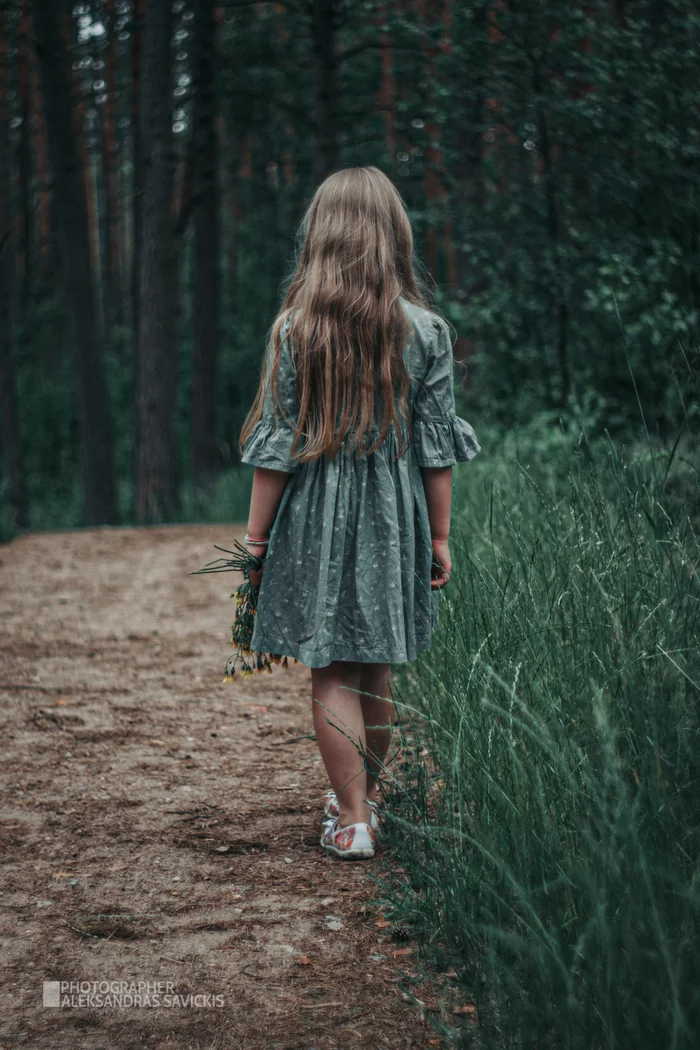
[(318, 1006)]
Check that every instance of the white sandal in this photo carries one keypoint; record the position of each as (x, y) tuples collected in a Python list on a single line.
[(354, 842)]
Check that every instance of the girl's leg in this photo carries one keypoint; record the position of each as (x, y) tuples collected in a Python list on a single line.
[(377, 710), (342, 758)]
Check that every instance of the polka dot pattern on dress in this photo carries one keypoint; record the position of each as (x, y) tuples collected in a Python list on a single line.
[(347, 575)]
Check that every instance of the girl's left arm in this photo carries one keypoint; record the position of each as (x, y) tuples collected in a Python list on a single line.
[(265, 498), (268, 486)]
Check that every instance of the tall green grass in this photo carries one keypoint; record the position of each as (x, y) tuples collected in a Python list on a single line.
[(546, 818)]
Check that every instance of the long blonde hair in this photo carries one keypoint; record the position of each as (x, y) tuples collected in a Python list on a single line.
[(345, 326)]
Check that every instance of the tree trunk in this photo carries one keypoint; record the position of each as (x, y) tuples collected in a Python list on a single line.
[(435, 192), (234, 214), (137, 16), (468, 165), (323, 31), (25, 173), (74, 239), (12, 477), (156, 473), (447, 228), (136, 161), (229, 176), (46, 249), (110, 166), (85, 169), (206, 250)]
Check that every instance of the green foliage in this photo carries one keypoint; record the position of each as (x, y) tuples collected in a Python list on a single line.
[(225, 499), (48, 422), (576, 214)]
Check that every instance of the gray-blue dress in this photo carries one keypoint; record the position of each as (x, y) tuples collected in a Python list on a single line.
[(347, 572)]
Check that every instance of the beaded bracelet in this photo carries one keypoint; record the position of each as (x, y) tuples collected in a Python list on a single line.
[(255, 543)]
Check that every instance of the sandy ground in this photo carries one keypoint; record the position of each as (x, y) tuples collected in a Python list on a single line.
[(159, 825)]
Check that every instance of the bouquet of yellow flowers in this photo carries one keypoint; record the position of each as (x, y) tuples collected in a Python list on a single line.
[(246, 599)]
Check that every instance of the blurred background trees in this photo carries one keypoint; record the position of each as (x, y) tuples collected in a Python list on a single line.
[(157, 155)]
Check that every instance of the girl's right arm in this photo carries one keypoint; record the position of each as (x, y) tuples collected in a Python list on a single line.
[(437, 482), (442, 439)]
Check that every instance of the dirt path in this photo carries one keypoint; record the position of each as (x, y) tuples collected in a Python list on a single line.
[(162, 826)]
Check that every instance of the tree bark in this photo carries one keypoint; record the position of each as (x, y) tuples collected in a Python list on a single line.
[(47, 266), (111, 244), (65, 16), (323, 34), (229, 176), (156, 471), (12, 476), (435, 192), (71, 212), (136, 160), (25, 168), (206, 250), (468, 167)]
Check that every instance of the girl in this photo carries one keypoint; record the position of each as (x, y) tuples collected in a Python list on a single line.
[(353, 434)]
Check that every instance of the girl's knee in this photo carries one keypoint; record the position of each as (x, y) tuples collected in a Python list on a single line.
[(370, 672), (335, 669)]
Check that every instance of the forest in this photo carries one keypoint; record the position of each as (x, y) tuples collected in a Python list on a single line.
[(156, 158), (537, 882)]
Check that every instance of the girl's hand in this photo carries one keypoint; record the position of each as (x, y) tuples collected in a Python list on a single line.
[(255, 575), (441, 553)]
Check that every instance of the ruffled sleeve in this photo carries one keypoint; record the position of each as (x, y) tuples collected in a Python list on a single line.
[(442, 443), (441, 438), (269, 444)]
